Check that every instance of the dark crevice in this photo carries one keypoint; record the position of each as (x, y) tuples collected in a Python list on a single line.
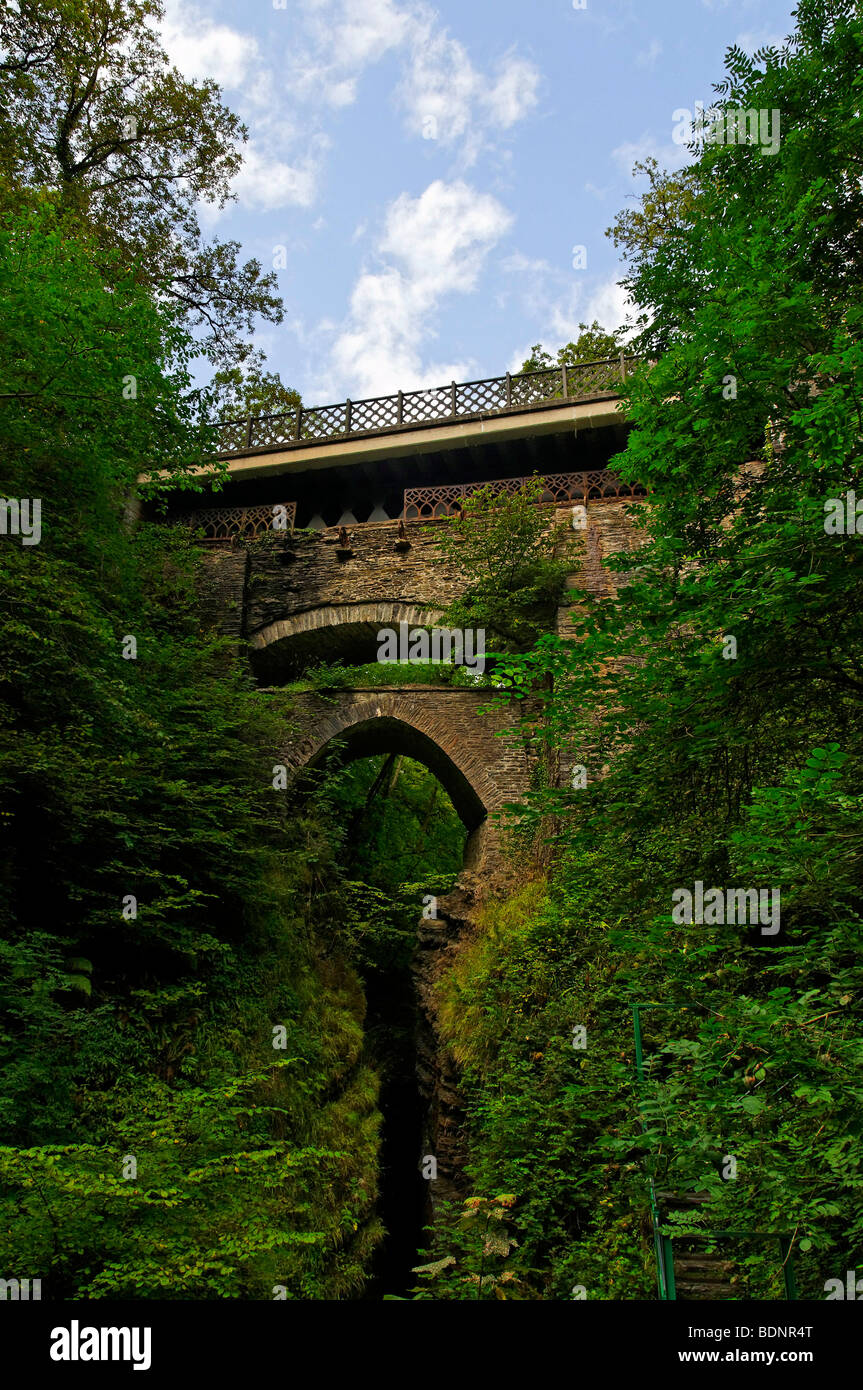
[(391, 1024)]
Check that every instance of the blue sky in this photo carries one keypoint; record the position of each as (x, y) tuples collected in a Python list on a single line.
[(420, 173)]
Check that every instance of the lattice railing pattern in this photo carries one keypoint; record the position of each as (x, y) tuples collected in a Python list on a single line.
[(241, 523), (426, 503), (272, 429), (458, 401)]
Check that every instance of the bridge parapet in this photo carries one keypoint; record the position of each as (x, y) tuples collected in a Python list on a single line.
[(469, 400)]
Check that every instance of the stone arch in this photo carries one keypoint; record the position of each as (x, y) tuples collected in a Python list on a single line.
[(365, 723), (330, 631)]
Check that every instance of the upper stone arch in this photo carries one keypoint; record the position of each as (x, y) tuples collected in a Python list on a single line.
[(331, 631)]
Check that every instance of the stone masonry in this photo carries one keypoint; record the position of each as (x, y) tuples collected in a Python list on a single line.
[(294, 601)]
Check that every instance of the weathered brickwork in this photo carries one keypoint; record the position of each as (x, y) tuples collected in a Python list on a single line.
[(319, 573), (309, 593), (610, 529), (222, 588), (298, 600), (481, 769)]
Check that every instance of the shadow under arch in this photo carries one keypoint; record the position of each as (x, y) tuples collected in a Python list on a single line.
[(381, 724)]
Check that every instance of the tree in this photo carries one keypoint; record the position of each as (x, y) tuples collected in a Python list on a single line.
[(90, 105), (506, 548), (152, 1140), (718, 704), (238, 392), (662, 221), (592, 345)]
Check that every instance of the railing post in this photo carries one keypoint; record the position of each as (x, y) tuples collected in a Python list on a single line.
[(508, 390), (249, 432), (298, 426), (623, 366), (452, 391), (400, 409), (563, 379), (348, 415)]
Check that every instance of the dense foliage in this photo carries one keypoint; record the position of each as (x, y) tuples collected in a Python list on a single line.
[(163, 912), (204, 984), (716, 711), (91, 107)]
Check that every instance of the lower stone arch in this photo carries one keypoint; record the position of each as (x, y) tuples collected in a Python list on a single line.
[(387, 722)]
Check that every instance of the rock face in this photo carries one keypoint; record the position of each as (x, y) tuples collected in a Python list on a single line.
[(438, 1075), (444, 1134)]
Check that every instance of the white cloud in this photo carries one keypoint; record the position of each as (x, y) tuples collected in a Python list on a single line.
[(329, 46), (514, 92), (668, 156), (265, 183), (364, 30), (343, 38), (442, 237), (269, 178), (558, 302), (648, 56), (445, 98), (605, 303), (200, 48), (443, 95), (433, 246)]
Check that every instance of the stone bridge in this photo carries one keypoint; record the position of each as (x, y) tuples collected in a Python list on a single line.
[(292, 601), (295, 600), (480, 767)]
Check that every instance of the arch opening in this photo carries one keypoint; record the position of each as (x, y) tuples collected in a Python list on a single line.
[(387, 734), (377, 733)]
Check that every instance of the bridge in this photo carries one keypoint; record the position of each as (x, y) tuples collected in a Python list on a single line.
[(414, 454), (331, 533), (470, 401)]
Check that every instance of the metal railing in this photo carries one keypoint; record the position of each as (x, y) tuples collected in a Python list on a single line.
[(662, 1238), (413, 409), (592, 485), (420, 503), (240, 523)]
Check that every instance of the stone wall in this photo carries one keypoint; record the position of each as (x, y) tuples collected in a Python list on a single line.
[(303, 599)]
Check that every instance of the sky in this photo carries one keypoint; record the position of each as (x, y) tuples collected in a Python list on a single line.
[(432, 182)]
